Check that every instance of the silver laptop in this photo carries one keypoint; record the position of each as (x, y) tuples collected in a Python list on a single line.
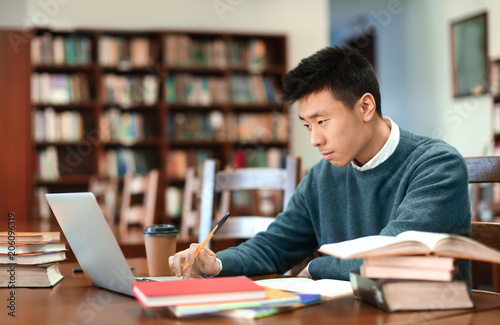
[(93, 242)]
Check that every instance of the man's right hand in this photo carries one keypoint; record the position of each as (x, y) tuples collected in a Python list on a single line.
[(205, 264)]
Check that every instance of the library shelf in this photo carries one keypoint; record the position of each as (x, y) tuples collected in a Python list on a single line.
[(185, 80)]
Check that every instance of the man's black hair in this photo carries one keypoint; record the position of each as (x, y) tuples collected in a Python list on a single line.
[(341, 70)]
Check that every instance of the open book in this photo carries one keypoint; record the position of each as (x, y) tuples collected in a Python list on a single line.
[(412, 243)]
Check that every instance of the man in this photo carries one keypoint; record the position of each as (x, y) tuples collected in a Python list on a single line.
[(375, 178)]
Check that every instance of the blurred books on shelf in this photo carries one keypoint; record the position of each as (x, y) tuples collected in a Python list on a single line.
[(107, 102), (126, 90), (140, 52), (196, 126), (61, 89), (124, 52), (183, 50), (124, 127), (259, 157), (187, 89), (61, 49), (265, 127), (116, 163), (47, 164), (257, 56), (254, 89), (178, 160), (251, 54), (49, 126)]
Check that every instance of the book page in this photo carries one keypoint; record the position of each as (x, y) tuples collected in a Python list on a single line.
[(350, 248), (428, 238), (325, 287)]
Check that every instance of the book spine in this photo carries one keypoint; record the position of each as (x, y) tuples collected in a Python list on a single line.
[(369, 291)]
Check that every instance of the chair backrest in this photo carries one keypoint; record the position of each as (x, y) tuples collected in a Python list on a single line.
[(226, 181), (485, 169), (190, 219), (145, 187), (106, 192), (482, 169), (487, 233)]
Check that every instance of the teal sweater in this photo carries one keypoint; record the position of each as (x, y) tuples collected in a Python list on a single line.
[(422, 186)]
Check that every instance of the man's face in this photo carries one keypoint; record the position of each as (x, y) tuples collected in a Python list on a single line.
[(340, 133)]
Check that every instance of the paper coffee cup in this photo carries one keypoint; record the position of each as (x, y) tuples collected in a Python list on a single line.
[(160, 241)]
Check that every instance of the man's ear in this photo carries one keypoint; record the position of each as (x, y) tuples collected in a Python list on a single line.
[(368, 106)]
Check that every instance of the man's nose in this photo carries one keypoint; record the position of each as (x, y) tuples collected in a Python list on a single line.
[(317, 138)]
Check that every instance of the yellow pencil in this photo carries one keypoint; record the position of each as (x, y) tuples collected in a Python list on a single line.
[(212, 233)]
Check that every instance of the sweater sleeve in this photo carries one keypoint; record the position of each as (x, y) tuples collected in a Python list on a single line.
[(329, 267), (287, 241)]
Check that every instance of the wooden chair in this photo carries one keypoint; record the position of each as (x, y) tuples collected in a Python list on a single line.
[(139, 199), (225, 182), (106, 192), (484, 169), (190, 219)]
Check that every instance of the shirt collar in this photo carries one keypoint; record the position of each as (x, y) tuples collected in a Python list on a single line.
[(386, 151)]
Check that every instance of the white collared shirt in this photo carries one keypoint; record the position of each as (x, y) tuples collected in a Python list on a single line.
[(386, 151)]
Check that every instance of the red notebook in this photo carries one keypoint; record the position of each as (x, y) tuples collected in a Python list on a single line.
[(171, 293)]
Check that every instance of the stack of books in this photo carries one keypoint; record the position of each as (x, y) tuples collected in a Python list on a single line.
[(30, 259), (412, 271), (238, 297)]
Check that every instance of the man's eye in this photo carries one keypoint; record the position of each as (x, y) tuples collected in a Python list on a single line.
[(321, 122), (306, 126)]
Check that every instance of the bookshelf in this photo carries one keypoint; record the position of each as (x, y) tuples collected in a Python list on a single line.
[(104, 102)]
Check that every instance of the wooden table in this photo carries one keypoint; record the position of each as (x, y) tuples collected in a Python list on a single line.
[(76, 301)]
